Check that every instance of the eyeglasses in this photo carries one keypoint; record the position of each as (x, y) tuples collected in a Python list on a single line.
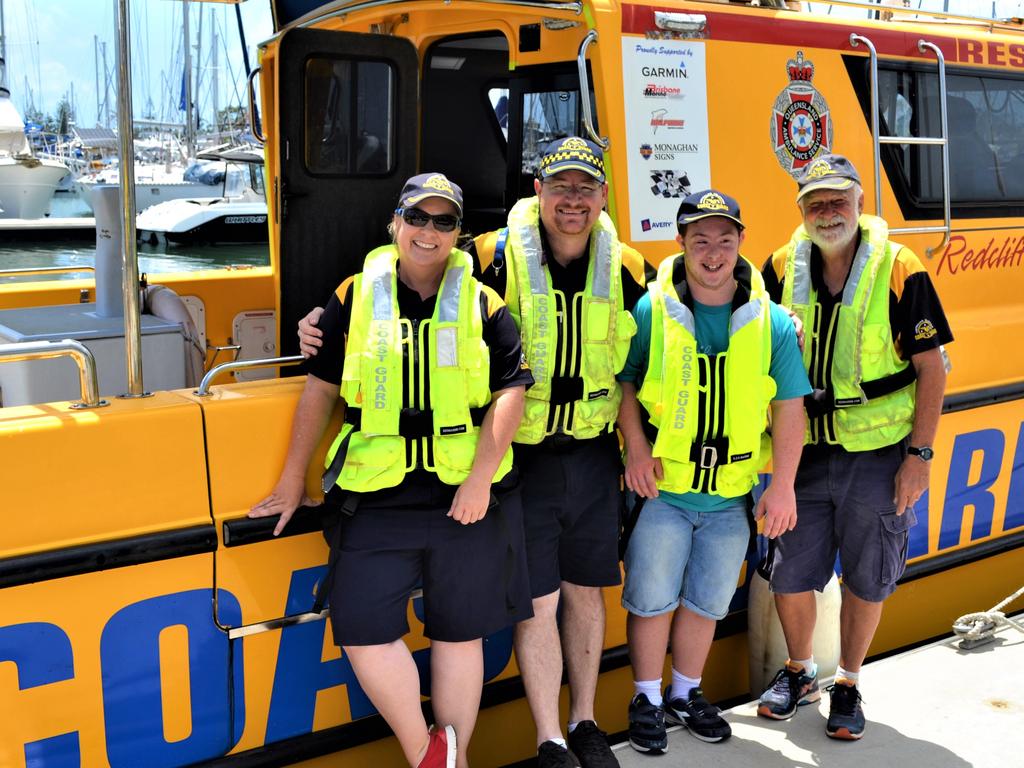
[(561, 189), (414, 217)]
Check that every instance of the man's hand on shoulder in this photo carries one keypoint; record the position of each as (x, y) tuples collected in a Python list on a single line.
[(310, 337)]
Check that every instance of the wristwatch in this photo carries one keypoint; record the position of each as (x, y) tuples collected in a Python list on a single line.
[(925, 453)]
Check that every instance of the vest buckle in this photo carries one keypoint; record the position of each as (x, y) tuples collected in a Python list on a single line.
[(708, 456)]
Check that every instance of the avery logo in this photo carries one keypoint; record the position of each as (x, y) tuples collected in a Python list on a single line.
[(712, 201), (924, 330), (647, 225)]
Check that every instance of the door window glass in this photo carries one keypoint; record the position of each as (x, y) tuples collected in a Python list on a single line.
[(547, 115), (349, 109)]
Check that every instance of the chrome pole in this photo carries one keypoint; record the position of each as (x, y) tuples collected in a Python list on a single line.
[(126, 148), (856, 40)]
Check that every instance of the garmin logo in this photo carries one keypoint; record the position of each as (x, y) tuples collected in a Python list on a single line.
[(663, 72)]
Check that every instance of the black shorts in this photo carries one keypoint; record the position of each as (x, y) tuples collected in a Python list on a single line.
[(473, 583), (571, 504)]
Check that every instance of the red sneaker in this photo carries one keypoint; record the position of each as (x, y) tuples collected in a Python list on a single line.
[(440, 749)]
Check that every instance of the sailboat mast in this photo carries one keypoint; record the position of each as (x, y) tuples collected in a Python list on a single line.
[(190, 128)]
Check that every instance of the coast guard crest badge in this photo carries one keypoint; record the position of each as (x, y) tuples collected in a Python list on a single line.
[(801, 127)]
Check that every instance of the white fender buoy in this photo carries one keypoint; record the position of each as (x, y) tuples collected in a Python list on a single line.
[(766, 643), (161, 301)]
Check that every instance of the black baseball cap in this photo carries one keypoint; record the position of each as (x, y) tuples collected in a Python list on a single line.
[(572, 154), (707, 203), (425, 185), (827, 172)]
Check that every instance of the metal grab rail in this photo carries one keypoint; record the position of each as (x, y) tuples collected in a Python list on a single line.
[(941, 141), (252, 106), (45, 270), (588, 115), (42, 350), (238, 365)]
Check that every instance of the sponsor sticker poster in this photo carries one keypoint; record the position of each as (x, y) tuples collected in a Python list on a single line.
[(666, 129)]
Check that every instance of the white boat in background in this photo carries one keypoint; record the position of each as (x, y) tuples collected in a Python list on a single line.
[(238, 215), (158, 182), (27, 182)]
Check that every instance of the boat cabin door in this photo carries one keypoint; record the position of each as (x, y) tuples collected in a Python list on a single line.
[(348, 125)]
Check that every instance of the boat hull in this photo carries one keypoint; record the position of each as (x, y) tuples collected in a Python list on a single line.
[(27, 186)]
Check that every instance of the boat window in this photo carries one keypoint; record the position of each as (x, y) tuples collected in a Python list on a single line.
[(349, 117), (547, 115), (985, 124)]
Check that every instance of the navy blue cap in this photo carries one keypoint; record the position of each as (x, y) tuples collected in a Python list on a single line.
[(827, 172), (572, 154), (707, 203), (425, 185)]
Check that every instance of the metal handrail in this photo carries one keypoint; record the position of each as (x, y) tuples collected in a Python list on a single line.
[(42, 350), (252, 107), (588, 115), (238, 365), (345, 7), (44, 270), (877, 141)]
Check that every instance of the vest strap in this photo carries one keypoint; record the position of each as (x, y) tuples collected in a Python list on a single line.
[(565, 389), (822, 401), (413, 422), (711, 452)]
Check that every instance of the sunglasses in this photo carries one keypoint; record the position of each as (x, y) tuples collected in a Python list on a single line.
[(443, 222)]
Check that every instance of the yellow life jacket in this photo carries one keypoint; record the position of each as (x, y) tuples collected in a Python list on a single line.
[(607, 327), (710, 411), (377, 427), (872, 390)]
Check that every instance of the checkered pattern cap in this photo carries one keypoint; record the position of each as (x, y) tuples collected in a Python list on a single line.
[(425, 185), (707, 203), (827, 172), (572, 154)]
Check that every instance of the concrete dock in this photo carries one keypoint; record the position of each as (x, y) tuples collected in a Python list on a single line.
[(933, 707)]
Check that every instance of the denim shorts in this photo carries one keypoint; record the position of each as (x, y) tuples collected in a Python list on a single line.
[(844, 505), (678, 556)]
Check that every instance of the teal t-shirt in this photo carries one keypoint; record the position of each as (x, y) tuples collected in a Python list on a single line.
[(712, 322)]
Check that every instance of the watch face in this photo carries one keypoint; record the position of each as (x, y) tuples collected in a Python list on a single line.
[(924, 453)]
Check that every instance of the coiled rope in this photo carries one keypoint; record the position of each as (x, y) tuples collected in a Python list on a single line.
[(975, 629)]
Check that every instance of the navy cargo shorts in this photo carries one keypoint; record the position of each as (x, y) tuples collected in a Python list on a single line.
[(844, 503)]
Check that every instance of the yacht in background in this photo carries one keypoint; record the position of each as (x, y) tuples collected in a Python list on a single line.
[(238, 215), (27, 182)]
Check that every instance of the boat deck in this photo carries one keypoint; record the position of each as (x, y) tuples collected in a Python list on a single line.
[(933, 707)]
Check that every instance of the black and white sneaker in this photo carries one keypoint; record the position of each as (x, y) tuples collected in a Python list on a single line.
[(589, 745), (789, 689), (700, 717), (551, 755), (647, 725)]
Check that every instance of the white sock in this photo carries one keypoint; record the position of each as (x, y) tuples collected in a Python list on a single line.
[(682, 685), (810, 668), (650, 688), (572, 727), (846, 674), (559, 742)]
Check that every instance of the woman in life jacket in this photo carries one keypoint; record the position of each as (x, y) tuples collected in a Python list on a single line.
[(428, 364)]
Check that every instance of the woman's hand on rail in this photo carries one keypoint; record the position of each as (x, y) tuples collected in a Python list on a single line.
[(471, 500), (310, 337), (288, 495)]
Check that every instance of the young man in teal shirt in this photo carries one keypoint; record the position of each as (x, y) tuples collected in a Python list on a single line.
[(711, 357)]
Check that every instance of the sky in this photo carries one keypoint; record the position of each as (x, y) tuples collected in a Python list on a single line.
[(51, 45)]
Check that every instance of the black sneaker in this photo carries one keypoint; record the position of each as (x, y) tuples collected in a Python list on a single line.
[(646, 725), (702, 718), (551, 755), (788, 690), (589, 745), (845, 716)]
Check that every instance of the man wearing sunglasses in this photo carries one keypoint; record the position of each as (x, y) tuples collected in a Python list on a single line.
[(570, 286)]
